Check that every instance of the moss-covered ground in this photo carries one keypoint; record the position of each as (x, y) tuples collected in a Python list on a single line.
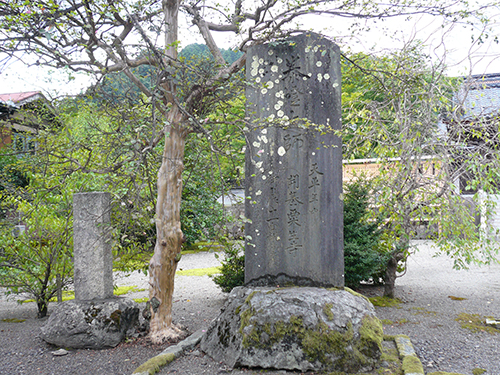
[(476, 323), (385, 302)]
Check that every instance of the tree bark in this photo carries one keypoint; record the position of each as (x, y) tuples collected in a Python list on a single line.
[(169, 236), (392, 268), (390, 277)]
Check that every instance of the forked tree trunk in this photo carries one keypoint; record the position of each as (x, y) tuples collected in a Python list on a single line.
[(168, 231)]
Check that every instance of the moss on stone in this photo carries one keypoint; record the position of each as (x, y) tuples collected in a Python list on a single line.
[(412, 365), (329, 347), (153, 365), (250, 296), (371, 335), (116, 317), (327, 310), (356, 293)]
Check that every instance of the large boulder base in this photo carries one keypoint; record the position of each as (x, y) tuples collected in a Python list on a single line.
[(299, 328), (93, 324)]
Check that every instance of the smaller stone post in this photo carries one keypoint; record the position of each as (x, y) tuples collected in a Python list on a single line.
[(93, 260), (95, 319)]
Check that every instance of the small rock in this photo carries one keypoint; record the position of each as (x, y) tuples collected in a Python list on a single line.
[(60, 352)]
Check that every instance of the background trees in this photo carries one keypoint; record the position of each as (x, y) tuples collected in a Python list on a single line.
[(400, 121)]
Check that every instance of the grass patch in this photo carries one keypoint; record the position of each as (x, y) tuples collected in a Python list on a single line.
[(423, 311), (475, 323), (453, 298), (385, 302), (121, 290), (199, 271), (141, 300), (69, 294), (13, 320)]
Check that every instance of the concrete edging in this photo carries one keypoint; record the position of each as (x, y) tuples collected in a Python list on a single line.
[(153, 365), (411, 363)]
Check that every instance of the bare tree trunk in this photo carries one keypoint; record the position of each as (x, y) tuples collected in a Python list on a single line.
[(392, 267), (390, 276), (169, 236)]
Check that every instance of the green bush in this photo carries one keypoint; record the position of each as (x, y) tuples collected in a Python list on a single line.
[(232, 268), (364, 257), (39, 261)]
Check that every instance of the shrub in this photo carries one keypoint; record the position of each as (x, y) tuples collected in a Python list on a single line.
[(39, 261), (364, 257), (232, 268)]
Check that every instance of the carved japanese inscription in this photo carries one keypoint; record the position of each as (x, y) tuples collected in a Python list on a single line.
[(294, 163)]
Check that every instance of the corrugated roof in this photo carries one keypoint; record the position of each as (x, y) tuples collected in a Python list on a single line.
[(480, 95)]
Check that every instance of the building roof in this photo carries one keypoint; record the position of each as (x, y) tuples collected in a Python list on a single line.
[(18, 99), (27, 110), (480, 95)]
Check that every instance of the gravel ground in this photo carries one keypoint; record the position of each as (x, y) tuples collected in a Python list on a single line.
[(427, 315), (196, 302)]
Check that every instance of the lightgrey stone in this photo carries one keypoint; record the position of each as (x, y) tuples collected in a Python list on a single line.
[(93, 260), (93, 324), (293, 169), (300, 328)]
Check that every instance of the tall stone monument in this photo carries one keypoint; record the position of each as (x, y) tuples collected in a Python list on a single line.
[(294, 164), (95, 319), (93, 260), (293, 202)]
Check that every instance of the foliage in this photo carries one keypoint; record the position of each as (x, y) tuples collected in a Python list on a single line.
[(201, 214), (232, 271), (364, 256), (39, 261), (12, 179), (420, 157), (11, 176)]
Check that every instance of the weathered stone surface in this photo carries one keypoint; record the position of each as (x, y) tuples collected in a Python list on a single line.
[(300, 328), (93, 324), (293, 169), (93, 259)]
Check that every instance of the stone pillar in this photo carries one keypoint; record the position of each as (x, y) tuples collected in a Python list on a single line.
[(294, 164), (93, 260)]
